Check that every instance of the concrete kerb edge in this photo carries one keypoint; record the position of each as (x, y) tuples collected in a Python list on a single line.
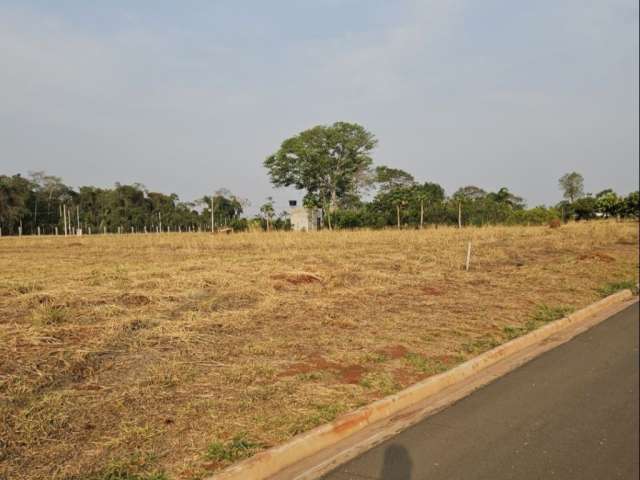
[(268, 463)]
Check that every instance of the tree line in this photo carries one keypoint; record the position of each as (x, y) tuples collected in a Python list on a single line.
[(332, 164), (42, 203)]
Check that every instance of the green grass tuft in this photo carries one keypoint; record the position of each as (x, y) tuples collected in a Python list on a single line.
[(542, 314), (480, 345), (237, 448), (380, 381), (546, 314), (425, 365), (321, 414), (614, 287)]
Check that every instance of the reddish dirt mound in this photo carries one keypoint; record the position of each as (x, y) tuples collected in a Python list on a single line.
[(603, 257), (297, 278), (394, 351)]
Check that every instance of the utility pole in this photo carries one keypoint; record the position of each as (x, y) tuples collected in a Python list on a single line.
[(64, 215)]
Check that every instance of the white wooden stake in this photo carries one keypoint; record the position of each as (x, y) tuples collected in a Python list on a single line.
[(468, 257)]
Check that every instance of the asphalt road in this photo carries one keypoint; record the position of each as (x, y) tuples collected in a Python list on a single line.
[(571, 413)]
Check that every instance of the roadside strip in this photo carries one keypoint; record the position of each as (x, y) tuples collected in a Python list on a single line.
[(313, 453)]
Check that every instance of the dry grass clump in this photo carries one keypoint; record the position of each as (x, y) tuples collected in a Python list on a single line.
[(172, 355)]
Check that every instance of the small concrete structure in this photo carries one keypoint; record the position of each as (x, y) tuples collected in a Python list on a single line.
[(306, 219)]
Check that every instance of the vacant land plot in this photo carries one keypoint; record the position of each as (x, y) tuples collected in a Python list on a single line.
[(173, 355)]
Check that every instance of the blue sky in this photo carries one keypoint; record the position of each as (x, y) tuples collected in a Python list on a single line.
[(188, 97)]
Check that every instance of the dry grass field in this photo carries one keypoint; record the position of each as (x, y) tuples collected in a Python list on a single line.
[(130, 357)]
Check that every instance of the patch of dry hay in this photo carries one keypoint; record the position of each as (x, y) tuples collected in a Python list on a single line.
[(141, 350)]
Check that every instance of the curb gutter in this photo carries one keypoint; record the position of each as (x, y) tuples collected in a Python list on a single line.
[(270, 462)]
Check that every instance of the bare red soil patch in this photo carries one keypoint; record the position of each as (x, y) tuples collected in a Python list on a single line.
[(315, 363), (352, 373)]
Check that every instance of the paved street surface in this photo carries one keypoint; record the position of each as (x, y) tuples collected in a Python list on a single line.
[(571, 413)]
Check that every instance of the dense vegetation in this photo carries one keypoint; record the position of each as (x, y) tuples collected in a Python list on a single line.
[(395, 198), (332, 164), (42, 201)]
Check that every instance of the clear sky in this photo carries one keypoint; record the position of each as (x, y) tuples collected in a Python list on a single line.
[(191, 96)]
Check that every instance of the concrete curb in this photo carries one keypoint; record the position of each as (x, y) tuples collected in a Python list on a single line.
[(268, 463)]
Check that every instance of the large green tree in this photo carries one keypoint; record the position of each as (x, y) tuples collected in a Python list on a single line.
[(330, 162), (572, 186)]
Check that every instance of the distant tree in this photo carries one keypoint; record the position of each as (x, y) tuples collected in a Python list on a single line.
[(464, 204), (572, 186), (329, 162), (222, 208), (608, 204), (631, 205), (470, 192), (431, 196), (391, 178), (15, 196), (268, 211), (585, 208), (504, 196)]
